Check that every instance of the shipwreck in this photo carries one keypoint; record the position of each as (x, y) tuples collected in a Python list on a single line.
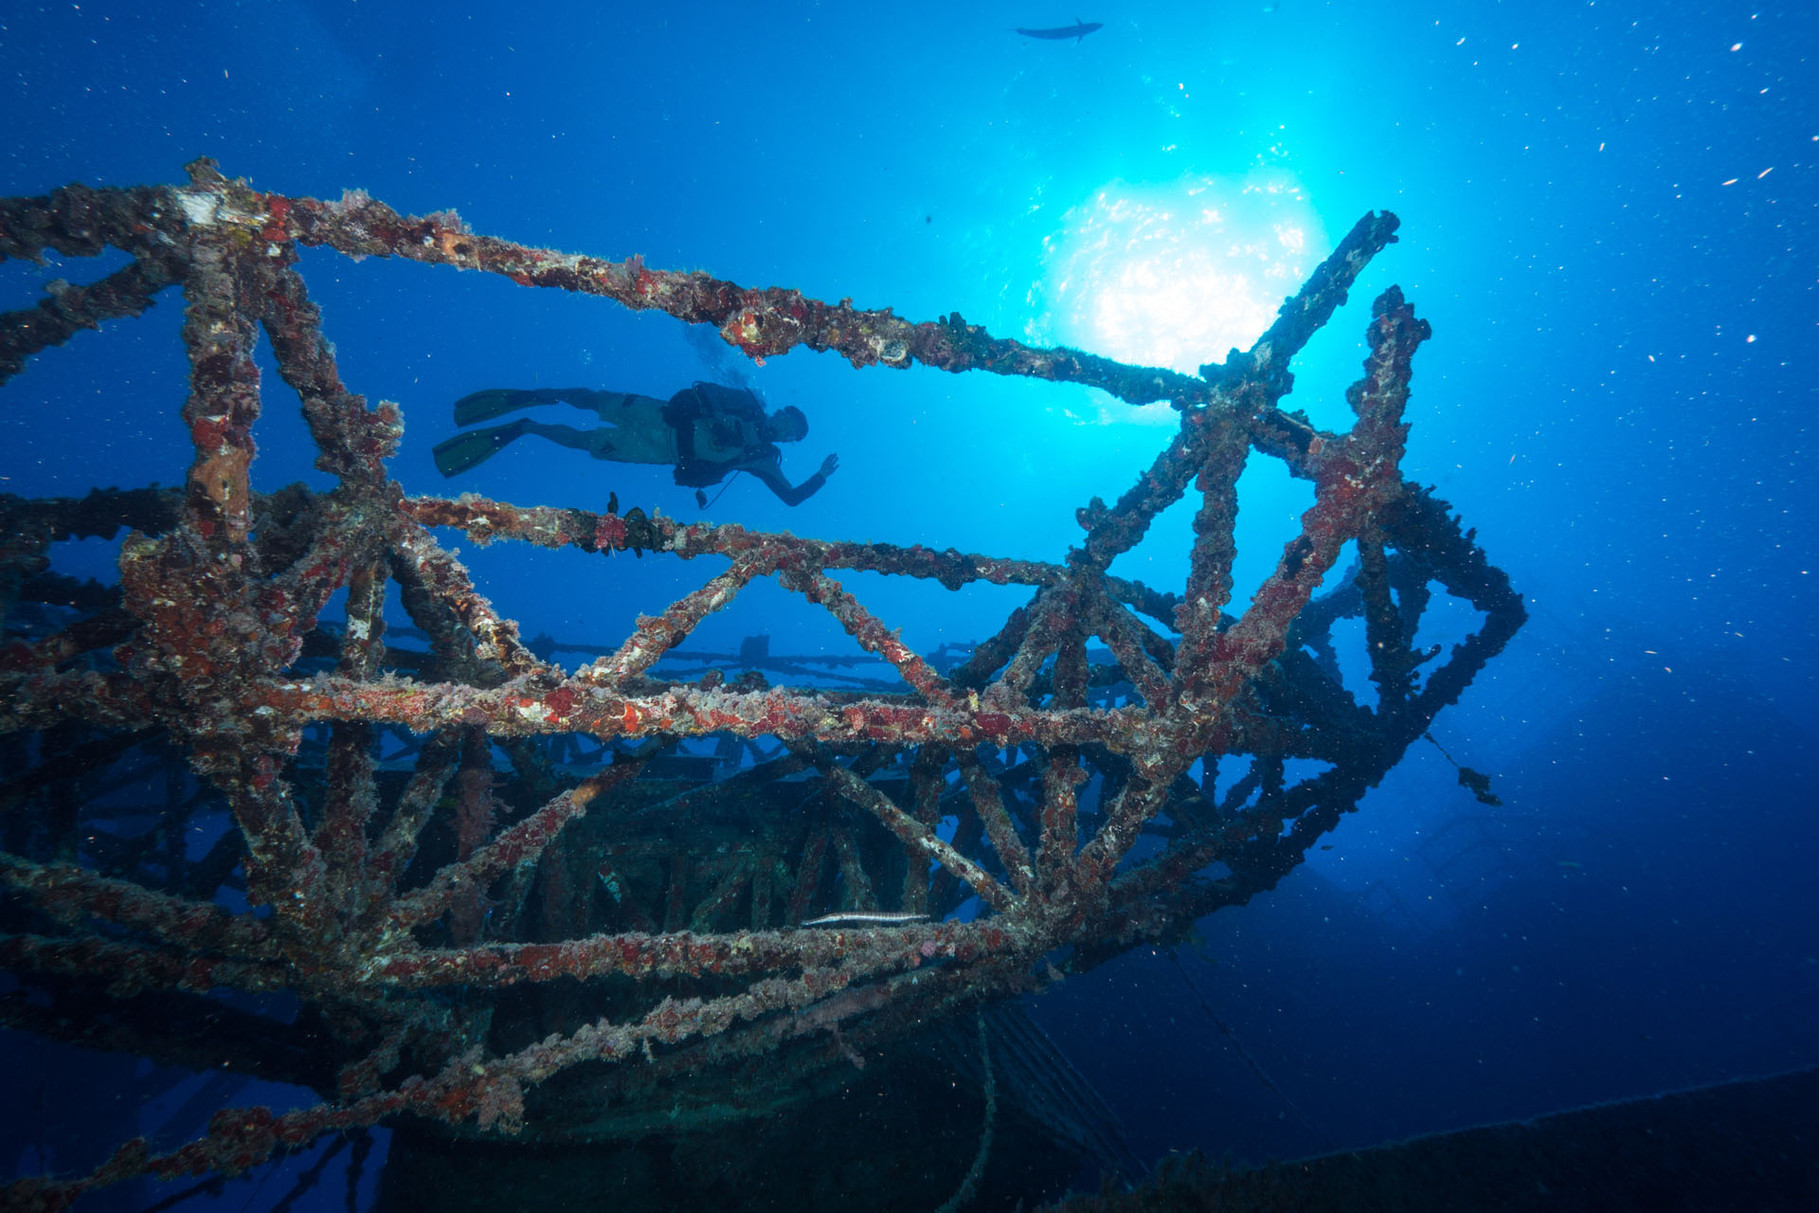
[(450, 895)]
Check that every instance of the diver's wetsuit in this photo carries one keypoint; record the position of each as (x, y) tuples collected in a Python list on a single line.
[(707, 432)]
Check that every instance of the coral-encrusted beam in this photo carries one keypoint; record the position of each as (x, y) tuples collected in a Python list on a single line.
[(646, 955), (576, 706), (769, 321)]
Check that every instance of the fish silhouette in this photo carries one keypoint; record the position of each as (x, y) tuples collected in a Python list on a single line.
[(1078, 30)]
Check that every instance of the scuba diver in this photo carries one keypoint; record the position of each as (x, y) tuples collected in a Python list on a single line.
[(707, 431)]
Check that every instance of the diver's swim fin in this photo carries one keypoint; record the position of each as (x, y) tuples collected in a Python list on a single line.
[(498, 401), (470, 450)]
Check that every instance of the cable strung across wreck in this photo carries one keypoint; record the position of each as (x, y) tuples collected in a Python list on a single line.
[(618, 944)]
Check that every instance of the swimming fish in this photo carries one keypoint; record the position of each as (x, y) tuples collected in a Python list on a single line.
[(1078, 30), (868, 918)]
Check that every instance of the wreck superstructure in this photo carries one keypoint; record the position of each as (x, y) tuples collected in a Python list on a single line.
[(483, 910)]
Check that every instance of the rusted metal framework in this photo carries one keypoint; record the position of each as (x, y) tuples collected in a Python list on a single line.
[(464, 940)]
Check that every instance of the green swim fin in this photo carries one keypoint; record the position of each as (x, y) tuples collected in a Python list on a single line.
[(491, 403), (470, 450)]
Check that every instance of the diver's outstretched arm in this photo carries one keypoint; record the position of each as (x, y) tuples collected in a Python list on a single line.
[(771, 472)]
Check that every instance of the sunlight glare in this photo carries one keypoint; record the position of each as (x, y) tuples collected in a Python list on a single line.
[(1175, 275)]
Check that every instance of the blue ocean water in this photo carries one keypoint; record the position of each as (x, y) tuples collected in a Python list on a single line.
[(1608, 216)]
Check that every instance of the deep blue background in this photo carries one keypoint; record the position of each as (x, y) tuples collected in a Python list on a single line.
[(1608, 216)]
